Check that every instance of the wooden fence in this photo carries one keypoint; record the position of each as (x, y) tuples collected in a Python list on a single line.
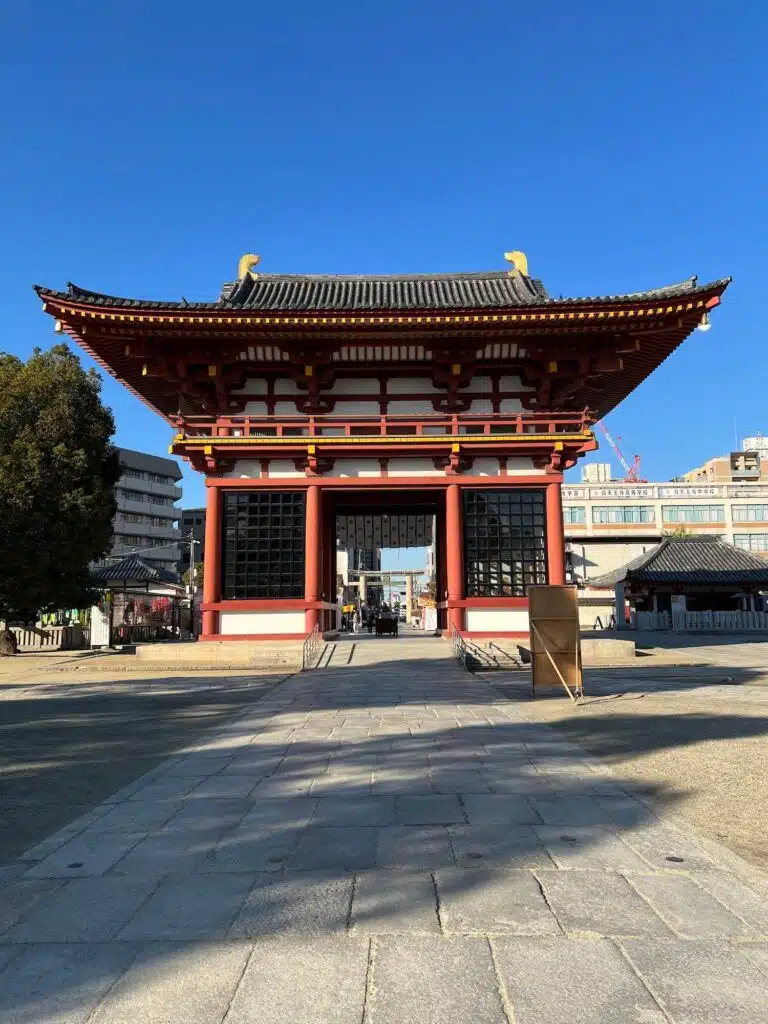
[(702, 622)]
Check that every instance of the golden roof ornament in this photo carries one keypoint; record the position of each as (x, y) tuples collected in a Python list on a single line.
[(520, 261), (246, 264)]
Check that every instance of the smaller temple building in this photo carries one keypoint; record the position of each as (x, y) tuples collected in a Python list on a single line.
[(688, 574), (316, 404)]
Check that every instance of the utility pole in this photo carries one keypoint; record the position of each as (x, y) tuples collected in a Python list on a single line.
[(192, 585)]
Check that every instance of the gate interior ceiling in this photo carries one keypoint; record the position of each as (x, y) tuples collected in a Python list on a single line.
[(412, 530)]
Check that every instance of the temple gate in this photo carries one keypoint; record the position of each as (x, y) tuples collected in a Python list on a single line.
[(302, 398)]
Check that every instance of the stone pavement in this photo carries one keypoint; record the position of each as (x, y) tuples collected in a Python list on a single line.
[(389, 840)]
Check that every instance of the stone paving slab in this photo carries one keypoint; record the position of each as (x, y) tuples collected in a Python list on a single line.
[(21, 896), (394, 903), (551, 981), (319, 981), (85, 855), (296, 905), (689, 910), (700, 982), (425, 980), (197, 907), (493, 903), (167, 979), (598, 903), (60, 984), (83, 910)]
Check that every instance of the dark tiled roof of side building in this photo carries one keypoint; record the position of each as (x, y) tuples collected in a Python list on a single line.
[(694, 560), (495, 289), (133, 569)]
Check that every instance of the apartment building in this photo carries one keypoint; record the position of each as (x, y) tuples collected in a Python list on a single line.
[(607, 525), (146, 518)]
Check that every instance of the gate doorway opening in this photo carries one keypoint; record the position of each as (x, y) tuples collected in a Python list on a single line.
[(388, 564)]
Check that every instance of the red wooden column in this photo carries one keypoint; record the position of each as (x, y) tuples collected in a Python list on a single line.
[(454, 554), (212, 559), (555, 534), (312, 561)]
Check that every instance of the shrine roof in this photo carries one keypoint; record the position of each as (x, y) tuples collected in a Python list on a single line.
[(692, 560), (310, 292)]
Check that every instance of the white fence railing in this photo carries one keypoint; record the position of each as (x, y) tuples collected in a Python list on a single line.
[(49, 638), (702, 622)]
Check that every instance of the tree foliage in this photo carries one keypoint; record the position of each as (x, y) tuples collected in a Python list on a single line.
[(57, 469)]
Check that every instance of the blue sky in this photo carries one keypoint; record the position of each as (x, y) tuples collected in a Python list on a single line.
[(620, 145)]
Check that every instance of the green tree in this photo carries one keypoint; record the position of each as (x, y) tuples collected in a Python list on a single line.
[(199, 575), (677, 531), (57, 469)]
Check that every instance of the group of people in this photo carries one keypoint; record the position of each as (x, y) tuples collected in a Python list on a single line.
[(362, 617)]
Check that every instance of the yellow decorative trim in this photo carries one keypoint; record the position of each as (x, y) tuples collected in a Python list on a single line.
[(212, 371), (552, 366), (309, 371), (207, 449), (455, 369)]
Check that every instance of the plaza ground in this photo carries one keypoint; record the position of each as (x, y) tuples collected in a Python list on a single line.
[(390, 839)]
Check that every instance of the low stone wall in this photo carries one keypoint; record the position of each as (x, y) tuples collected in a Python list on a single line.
[(49, 638), (282, 654)]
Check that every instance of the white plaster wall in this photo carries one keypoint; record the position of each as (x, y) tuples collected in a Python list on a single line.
[(509, 382), (255, 408), (510, 405), (261, 623), (284, 468), (484, 467), (245, 468), (355, 408), (522, 465), (414, 407), (252, 386), (504, 620), (286, 386), (412, 386), (354, 386), (355, 467), (478, 385), (286, 409), (481, 405), (413, 467)]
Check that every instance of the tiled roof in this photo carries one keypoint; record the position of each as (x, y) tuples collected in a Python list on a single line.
[(496, 289), (133, 570), (691, 560)]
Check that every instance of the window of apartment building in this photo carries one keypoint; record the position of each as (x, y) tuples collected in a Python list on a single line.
[(129, 539), (160, 521), (158, 478), (134, 496), (623, 514), (750, 514), (693, 513), (751, 541), (133, 517), (574, 514), (135, 474)]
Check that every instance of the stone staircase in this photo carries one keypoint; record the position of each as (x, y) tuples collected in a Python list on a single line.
[(501, 655)]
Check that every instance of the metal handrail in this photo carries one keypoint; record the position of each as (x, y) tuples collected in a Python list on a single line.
[(309, 649), (459, 646)]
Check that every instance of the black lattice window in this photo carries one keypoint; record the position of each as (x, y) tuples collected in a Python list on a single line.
[(263, 545), (505, 542)]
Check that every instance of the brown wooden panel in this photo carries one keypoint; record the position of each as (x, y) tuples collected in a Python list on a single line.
[(555, 637)]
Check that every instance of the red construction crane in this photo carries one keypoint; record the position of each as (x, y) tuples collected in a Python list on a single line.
[(632, 472)]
